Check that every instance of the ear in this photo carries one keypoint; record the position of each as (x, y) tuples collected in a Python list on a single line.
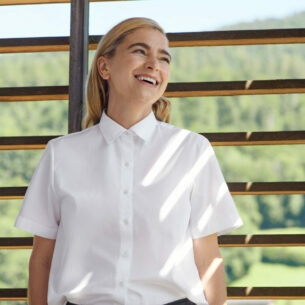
[(103, 67)]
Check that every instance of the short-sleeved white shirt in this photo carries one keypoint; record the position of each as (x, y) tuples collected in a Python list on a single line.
[(124, 206)]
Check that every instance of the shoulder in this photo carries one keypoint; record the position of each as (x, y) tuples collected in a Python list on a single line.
[(187, 136), (76, 139)]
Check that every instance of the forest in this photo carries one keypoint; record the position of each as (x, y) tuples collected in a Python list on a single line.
[(261, 214)]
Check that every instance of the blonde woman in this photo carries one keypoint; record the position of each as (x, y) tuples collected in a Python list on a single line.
[(128, 210)]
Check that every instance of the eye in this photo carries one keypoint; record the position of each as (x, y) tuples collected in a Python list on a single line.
[(165, 59), (139, 51)]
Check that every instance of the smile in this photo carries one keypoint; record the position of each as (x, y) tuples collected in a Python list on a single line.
[(147, 79)]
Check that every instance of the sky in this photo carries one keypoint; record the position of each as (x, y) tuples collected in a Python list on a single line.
[(173, 15)]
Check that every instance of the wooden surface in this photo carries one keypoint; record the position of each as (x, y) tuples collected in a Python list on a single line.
[(194, 89), (236, 188), (249, 240), (234, 293), (216, 139), (189, 39)]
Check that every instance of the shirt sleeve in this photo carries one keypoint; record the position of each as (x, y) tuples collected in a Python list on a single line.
[(212, 207), (39, 213)]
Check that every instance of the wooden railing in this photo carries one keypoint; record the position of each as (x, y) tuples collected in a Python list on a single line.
[(246, 87), (289, 240)]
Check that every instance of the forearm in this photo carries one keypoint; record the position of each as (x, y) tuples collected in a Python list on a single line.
[(211, 270), (39, 270), (38, 283), (214, 283)]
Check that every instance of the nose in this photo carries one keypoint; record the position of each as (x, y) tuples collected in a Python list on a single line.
[(152, 63)]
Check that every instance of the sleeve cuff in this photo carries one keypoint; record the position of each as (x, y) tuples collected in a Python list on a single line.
[(35, 228), (220, 231)]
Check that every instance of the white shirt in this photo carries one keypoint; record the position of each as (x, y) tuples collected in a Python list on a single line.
[(124, 206)]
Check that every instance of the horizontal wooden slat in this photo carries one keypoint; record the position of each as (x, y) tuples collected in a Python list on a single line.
[(266, 293), (34, 44), (231, 88), (42, 93), (236, 188), (213, 38), (227, 38), (17, 2), (12, 192), (30, 142), (256, 138), (13, 294), (262, 240), (193, 89), (234, 293), (241, 37), (19, 243), (216, 139), (255, 240), (266, 188)]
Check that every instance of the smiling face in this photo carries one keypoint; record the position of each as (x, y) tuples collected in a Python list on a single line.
[(138, 72)]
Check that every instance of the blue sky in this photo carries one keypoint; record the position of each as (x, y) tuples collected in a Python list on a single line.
[(173, 15)]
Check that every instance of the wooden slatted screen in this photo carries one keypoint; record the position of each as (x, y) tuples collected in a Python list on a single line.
[(246, 87)]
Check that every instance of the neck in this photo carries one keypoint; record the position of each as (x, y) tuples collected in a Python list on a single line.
[(127, 115)]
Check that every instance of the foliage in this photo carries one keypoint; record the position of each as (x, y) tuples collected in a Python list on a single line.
[(287, 256), (272, 275), (238, 261)]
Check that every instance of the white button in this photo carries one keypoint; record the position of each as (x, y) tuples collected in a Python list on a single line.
[(121, 283), (125, 192), (126, 222), (126, 164), (125, 254)]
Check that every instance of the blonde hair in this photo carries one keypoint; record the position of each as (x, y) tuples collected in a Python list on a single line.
[(97, 87)]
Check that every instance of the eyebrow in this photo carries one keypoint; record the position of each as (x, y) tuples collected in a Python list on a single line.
[(147, 47)]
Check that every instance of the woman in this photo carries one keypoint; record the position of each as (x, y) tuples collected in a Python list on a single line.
[(128, 210)]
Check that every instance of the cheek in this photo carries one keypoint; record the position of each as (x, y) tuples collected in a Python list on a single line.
[(166, 74)]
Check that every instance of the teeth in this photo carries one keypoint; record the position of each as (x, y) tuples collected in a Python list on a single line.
[(147, 79)]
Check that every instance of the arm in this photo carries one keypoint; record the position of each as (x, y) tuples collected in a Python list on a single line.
[(211, 269), (39, 269)]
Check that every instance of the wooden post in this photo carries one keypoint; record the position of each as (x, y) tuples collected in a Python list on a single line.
[(78, 62)]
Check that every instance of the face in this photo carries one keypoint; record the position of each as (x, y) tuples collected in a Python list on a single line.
[(139, 71)]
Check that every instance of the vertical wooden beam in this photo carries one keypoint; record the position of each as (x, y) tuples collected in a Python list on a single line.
[(79, 33)]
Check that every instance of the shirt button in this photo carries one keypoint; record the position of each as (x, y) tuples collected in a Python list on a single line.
[(126, 222), (125, 254), (126, 164), (121, 283), (125, 192)]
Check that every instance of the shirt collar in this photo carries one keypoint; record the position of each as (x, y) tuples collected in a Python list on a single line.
[(112, 130)]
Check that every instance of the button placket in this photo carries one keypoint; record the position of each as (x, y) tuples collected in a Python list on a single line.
[(126, 211)]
